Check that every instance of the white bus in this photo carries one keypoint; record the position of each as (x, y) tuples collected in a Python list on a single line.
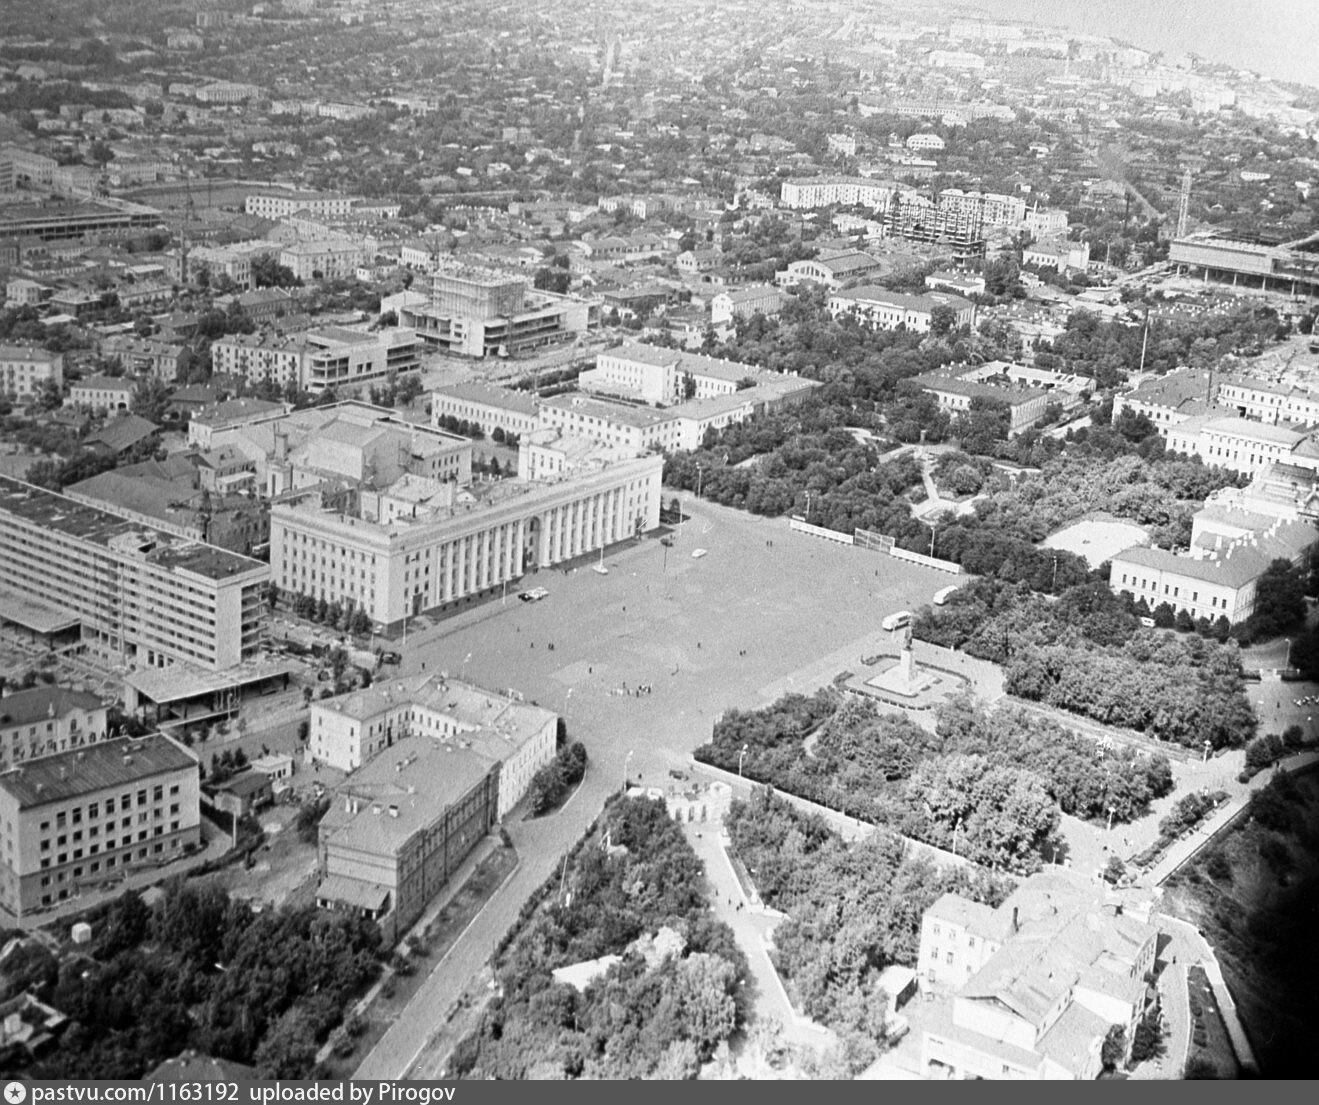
[(940, 597), (900, 620)]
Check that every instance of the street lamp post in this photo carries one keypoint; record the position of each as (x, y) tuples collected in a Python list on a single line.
[(462, 674), (1208, 749), (700, 472), (627, 761), (1110, 818), (740, 756)]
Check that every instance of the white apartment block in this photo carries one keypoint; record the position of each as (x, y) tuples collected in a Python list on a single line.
[(1267, 402), (487, 406), (1237, 444), (614, 425), (46, 720), (101, 393), (73, 820), (1230, 549), (442, 549), (880, 309), (141, 597), (992, 208), (323, 260), (328, 357), (660, 377), (23, 369), (347, 731), (824, 191), (276, 205)]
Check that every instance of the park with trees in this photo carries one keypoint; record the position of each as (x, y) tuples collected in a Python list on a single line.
[(201, 970), (632, 874), (989, 784)]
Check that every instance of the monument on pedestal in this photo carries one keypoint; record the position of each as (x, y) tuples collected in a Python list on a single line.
[(902, 677)]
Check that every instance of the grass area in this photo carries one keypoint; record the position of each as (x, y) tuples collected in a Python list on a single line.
[(1254, 894), (399, 990)]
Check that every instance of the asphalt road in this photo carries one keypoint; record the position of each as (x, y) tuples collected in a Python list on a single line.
[(706, 634)]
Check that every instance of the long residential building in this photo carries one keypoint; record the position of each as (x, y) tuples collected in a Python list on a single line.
[(487, 406), (140, 597), (1231, 548), (83, 818), (424, 544), (352, 729), (828, 190), (314, 360), (1238, 444), (277, 204), (881, 309)]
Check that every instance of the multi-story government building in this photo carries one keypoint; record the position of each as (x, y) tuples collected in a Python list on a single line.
[(85, 817), (140, 597), (424, 544)]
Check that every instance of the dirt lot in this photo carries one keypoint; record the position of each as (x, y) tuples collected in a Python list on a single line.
[(283, 871)]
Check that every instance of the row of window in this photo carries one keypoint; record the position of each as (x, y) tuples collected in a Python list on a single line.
[(1152, 585), (94, 868)]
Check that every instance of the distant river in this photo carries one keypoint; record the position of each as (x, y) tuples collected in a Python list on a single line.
[(1278, 38)]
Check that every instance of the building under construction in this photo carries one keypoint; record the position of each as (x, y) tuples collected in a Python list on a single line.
[(917, 218)]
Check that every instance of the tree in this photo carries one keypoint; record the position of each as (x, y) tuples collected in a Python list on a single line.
[(1115, 1047), (1279, 599), (289, 1047), (151, 398), (49, 395)]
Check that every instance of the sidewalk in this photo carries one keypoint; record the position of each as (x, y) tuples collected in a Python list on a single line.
[(754, 932)]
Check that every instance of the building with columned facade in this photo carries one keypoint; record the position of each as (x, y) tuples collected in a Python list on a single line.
[(425, 544)]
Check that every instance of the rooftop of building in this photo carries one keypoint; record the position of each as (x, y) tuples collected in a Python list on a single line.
[(478, 391), (408, 788), (104, 383), (237, 409), (871, 293), (1244, 428), (44, 704), (1172, 389), (13, 352), (494, 723), (122, 433), (50, 510), (194, 1066), (620, 413), (168, 500), (101, 766), (841, 262)]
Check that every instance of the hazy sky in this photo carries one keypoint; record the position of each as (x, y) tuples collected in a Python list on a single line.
[(1279, 38)]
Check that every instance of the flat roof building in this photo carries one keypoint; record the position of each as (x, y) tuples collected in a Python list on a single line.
[(81, 818), (399, 827), (141, 596), (352, 729)]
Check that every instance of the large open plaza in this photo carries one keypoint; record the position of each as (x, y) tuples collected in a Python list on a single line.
[(645, 658)]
